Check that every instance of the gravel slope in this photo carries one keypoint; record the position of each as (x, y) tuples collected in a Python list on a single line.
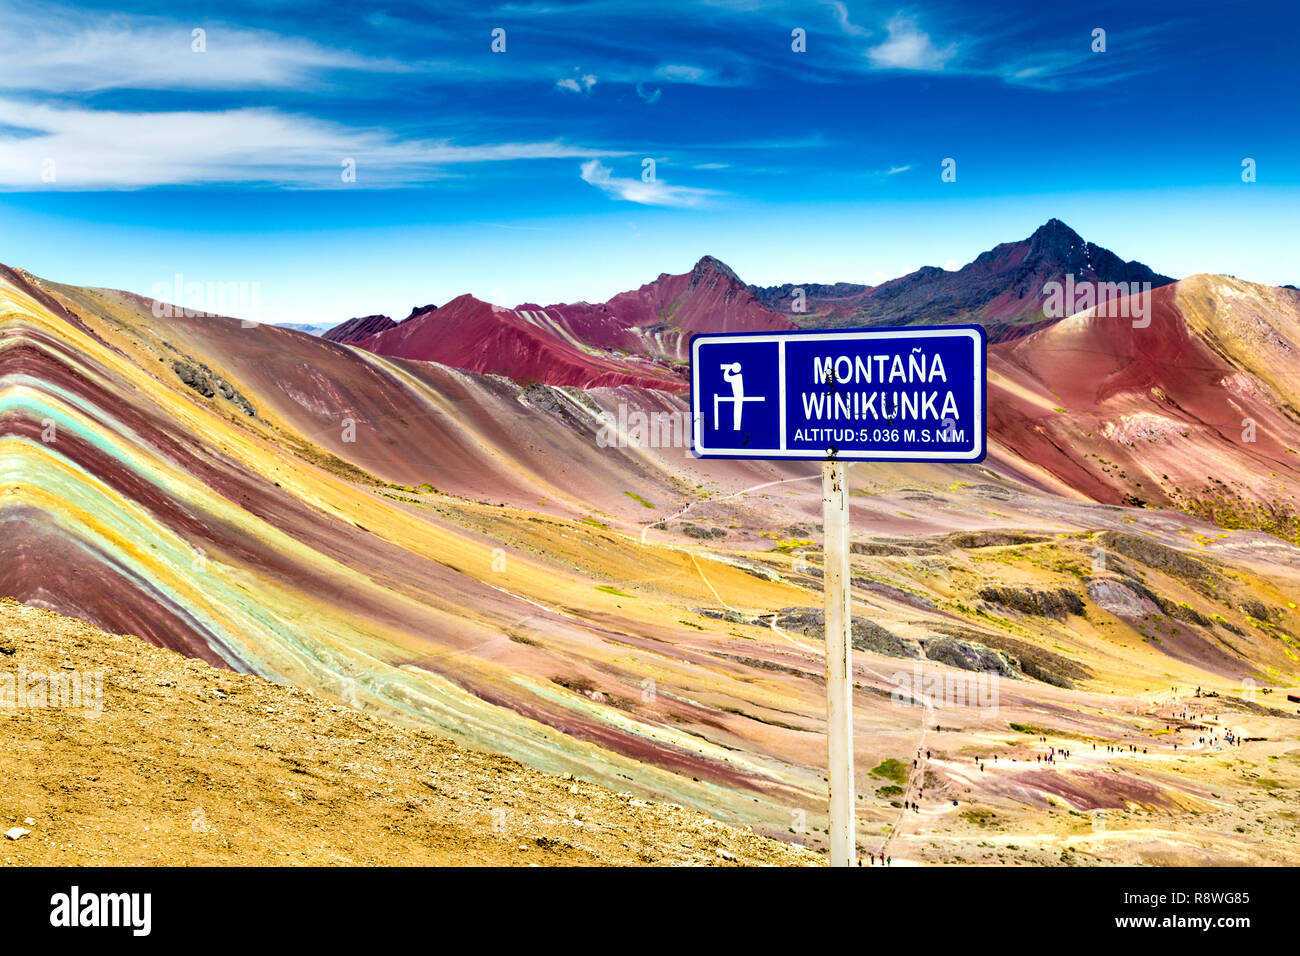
[(187, 764)]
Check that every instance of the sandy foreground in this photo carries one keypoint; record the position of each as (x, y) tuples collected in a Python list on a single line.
[(190, 765)]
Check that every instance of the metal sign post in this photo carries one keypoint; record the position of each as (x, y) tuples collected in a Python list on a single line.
[(839, 662), (909, 394)]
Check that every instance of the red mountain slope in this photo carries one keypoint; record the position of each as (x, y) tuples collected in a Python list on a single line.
[(709, 298), (1185, 411), (525, 345), (636, 338), (354, 330)]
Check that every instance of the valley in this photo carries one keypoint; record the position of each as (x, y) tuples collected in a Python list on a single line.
[(460, 525)]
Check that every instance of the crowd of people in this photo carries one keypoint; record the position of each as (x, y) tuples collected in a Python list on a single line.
[(1210, 736)]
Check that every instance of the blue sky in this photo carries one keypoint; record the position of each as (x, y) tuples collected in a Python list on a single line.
[(518, 175)]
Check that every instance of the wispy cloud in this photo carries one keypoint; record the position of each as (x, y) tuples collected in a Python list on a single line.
[(656, 192), (61, 50), (842, 17), (728, 67), (1143, 51), (92, 149), (895, 170)]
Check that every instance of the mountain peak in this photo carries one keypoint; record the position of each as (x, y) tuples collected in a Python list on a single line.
[(1055, 225), (1002, 288), (419, 310), (708, 265), (1056, 237)]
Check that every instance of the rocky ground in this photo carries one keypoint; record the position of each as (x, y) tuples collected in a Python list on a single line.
[(189, 765)]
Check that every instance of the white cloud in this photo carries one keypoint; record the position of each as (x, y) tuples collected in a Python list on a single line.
[(653, 193), (94, 149), (909, 48), (895, 170), (576, 84), (62, 50)]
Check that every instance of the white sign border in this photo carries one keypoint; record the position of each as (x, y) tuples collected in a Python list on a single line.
[(976, 453)]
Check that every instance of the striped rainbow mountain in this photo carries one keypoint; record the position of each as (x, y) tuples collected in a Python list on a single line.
[(439, 520)]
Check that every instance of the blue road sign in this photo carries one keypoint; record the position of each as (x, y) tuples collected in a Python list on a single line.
[(907, 394)]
